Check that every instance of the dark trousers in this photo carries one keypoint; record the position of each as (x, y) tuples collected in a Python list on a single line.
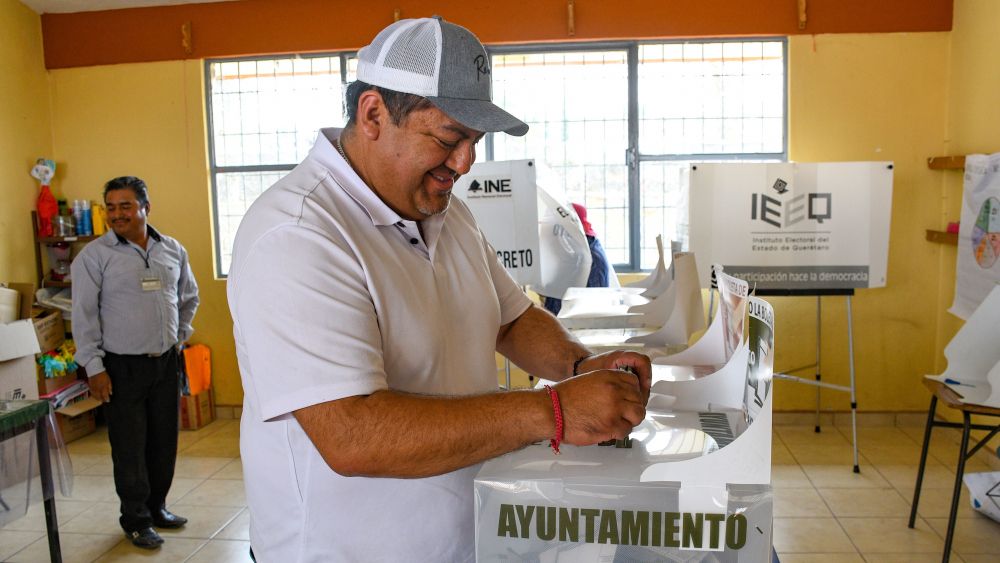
[(142, 429)]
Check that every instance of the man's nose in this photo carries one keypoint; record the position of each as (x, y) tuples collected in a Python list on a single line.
[(462, 157)]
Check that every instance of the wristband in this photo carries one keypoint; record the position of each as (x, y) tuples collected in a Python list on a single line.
[(576, 364), (557, 411)]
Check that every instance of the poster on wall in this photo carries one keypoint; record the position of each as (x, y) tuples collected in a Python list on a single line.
[(503, 197), (977, 267), (793, 226)]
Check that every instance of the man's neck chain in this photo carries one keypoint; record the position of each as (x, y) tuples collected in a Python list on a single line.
[(340, 148)]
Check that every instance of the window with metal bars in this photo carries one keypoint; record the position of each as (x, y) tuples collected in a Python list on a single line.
[(615, 125)]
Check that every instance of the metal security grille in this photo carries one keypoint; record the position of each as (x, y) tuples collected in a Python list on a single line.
[(614, 125), (617, 125), (264, 114)]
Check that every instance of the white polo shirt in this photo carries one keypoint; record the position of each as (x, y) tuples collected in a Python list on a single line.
[(334, 295)]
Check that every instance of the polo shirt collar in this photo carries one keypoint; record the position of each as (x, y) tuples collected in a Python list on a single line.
[(380, 214), (111, 238)]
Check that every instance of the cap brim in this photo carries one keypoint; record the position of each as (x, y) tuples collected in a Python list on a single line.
[(480, 115)]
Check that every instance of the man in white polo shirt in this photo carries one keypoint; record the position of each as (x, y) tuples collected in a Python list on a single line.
[(367, 311)]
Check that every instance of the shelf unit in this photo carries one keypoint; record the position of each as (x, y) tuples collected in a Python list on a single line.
[(944, 163), (40, 257)]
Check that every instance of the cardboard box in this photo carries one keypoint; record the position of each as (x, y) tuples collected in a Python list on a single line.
[(50, 329), (77, 419), (47, 385), (18, 346), (197, 410)]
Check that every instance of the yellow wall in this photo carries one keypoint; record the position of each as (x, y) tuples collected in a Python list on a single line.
[(148, 120), (852, 97), (25, 135), (871, 97), (973, 127)]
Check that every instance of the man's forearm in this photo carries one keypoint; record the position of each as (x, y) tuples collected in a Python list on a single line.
[(391, 434), (538, 344)]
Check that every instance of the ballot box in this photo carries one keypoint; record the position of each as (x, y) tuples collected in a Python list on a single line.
[(695, 485)]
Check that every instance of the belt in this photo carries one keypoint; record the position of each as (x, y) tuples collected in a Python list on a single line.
[(152, 355)]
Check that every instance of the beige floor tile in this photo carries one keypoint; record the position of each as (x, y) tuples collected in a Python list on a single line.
[(101, 518), (103, 467), (785, 476), (75, 548), (203, 521), (903, 454), (214, 446), (222, 551), (180, 487), (820, 558), (936, 503), (173, 550), (843, 476), (92, 487), (909, 558), (803, 436), (216, 492), (238, 529), (34, 520), (904, 477), (83, 461), (799, 502), (825, 455), (199, 467), (810, 535), (13, 541), (232, 470), (880, 436), (979, 558), (891, 535), (93, 444), (978, 535), (865, 502), (781, 455)]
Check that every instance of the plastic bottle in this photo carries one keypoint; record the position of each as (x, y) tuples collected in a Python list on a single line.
[(88, 224), (100, 219), (78, 216)]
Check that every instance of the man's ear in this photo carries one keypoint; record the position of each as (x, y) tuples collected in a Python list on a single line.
[(372, 114)]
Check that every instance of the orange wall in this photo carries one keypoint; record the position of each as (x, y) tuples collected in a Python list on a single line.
[(251, 27)]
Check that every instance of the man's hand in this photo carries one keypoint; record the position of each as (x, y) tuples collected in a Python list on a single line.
[(100, 387), (600, 405), (620, 359)]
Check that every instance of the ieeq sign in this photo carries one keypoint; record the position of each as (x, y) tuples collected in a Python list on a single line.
[(793, 226), (502, 196)]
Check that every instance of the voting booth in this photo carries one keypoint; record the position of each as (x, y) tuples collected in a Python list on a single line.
[(502, 197), (694, 486)]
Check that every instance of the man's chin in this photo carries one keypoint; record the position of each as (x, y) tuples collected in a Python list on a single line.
[(440, 205)]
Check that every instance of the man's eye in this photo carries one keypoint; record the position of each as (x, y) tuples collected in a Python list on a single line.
[(447, 144)]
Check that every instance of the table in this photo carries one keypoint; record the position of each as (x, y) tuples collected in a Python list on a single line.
[(940, 391), (18, 417)]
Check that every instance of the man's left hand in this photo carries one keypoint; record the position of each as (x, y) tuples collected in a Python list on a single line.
[(620, 359)]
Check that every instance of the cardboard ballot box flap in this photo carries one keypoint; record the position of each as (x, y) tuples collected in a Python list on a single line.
[(79, 407), (17, 339)]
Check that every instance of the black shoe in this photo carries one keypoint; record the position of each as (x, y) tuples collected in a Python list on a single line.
[(146, 538), (162, 518)]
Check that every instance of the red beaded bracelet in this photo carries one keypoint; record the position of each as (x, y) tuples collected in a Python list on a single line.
[(557, 411)]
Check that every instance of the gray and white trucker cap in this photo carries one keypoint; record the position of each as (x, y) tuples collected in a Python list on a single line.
[(442, 62)]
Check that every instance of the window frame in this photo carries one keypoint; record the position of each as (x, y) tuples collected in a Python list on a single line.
[(214, 169), (634, 158)]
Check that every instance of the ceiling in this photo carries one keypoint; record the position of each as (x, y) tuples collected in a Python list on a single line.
[(69, 6)]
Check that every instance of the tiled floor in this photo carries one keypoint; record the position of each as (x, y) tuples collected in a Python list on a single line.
[(823, 512)]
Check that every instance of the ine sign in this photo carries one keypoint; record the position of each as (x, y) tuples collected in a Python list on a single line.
[(502, 196), (793, 226)]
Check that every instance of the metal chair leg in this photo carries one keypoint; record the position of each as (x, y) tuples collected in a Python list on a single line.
[(923, 460), (957, 494)]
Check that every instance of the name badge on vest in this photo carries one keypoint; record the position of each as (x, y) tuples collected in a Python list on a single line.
[(151, 284)]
